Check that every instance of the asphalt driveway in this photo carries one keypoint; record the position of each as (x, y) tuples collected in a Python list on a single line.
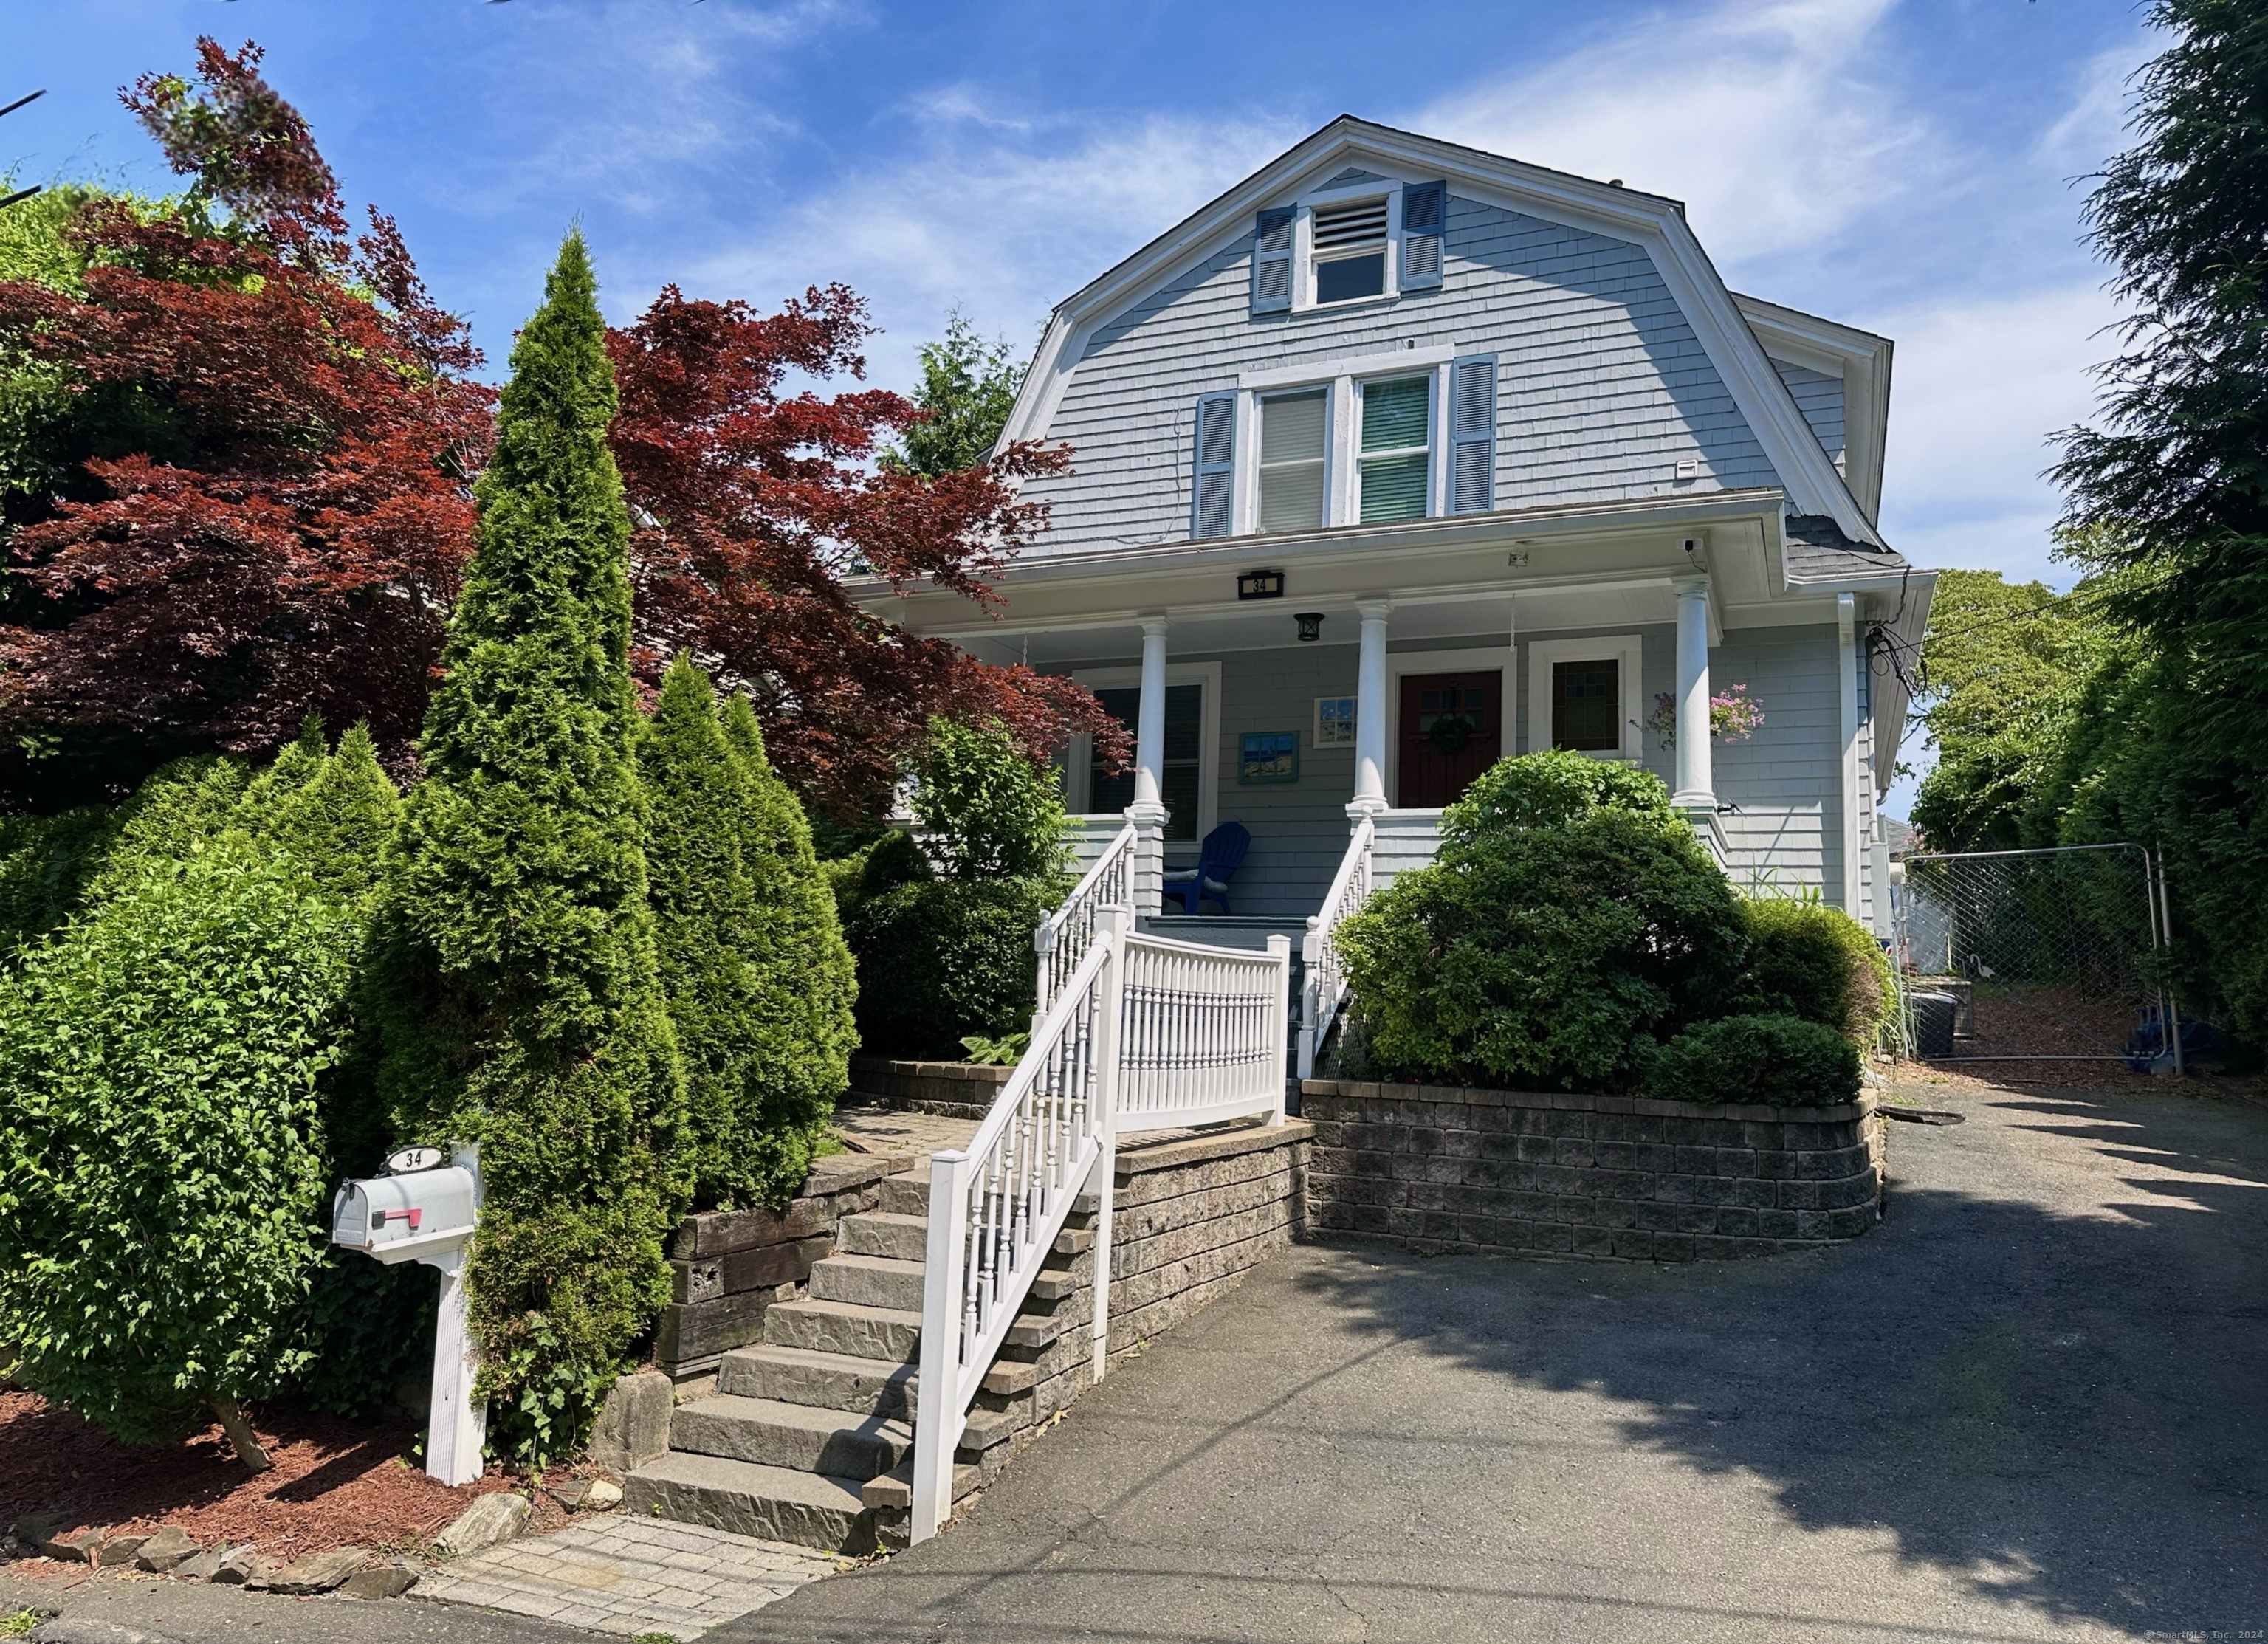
[(2028, 1405)]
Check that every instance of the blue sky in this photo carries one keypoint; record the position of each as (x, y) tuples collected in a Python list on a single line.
[(1908, 167)]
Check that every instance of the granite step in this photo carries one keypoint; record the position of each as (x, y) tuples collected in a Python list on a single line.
[(777, 1435), (750, 1499), (823, 1381), (900, 1238), (906, 1194), (856, 1332), (868, 1281)]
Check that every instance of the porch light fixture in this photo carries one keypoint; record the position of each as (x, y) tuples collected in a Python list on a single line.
[(1310, 624), (1259, 585)]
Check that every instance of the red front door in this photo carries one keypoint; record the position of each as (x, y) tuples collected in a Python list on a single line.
[(1451, 728)]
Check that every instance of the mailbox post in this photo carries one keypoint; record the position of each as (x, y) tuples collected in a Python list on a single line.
[(423, 1209)]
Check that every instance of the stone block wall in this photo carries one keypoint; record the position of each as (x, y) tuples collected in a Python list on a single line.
[(728, 1266), (1442, 1169), (961, 1090)]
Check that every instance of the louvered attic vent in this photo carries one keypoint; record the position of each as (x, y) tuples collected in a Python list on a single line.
[(1350, 251), (1347, 227)]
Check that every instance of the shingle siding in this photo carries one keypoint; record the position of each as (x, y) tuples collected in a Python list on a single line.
[(1786, 835), (1819, 398), (1603, 387)]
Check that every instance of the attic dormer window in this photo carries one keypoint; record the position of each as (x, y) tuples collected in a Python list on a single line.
[(1349, 251)]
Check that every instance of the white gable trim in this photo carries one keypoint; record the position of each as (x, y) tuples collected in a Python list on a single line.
[(1860, 358), (1806, 471)]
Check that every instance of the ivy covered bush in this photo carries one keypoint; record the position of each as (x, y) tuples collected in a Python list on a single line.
[(759, 981), (944, 952), (517, 985)]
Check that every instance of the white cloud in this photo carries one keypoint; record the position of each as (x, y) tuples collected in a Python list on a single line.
[(1761, 118), (1001, 215)]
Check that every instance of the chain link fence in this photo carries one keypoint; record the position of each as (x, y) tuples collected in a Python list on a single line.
[(2030, 955)]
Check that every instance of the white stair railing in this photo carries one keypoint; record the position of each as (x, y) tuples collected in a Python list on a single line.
[(1326, 985), (1062, 937), (1144, 1034), (1204, 1033)]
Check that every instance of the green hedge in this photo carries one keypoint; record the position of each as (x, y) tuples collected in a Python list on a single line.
[(942, 958), (1808, 960), (1551, 955), (1771, 1060)]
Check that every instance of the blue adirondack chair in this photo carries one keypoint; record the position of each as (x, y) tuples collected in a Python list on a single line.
[(1216, 859)]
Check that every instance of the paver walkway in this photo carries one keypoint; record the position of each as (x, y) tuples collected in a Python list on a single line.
[(2028, 1405), (627, 1575)]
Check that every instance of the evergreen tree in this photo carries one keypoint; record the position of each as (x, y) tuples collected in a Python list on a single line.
[(520, 1000), (805, 980)]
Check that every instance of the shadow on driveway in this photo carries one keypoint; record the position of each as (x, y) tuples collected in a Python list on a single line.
[(2029, 1404)]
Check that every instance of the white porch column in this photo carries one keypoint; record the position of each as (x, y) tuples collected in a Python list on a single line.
[(1371, 714), (1696, 789), (1148, 812)]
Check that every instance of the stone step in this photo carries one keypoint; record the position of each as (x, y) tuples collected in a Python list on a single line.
[(868, 1281), (895, 1489), (749, 1499), (824, 1381), (900, 1238), (856, 1332), (906, 1194), (777, 1434)]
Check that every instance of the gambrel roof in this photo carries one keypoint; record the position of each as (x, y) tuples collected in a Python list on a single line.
[(1728, 328)]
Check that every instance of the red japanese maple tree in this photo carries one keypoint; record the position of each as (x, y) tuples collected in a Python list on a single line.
[(751, 507), (281, 431)]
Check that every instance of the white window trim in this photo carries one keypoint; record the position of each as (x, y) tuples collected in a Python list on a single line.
[(1343, 435), (1303, 243), (1626, 650), (1080, 762), (1471, 660)]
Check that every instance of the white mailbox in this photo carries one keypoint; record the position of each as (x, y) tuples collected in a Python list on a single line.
[(425, 1209)]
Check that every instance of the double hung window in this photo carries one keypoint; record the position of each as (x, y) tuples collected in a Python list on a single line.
[(1295, 430), (1396, 449), (1181, 775)]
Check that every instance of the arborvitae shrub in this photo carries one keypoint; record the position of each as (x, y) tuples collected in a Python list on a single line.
[(1806, 959), (1773, 1060), (162, 1191), (806, 984), (758, 980), (1572, 922), (518, 995), (177, 806)]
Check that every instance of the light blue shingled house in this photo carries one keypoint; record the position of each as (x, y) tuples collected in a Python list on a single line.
[(1399, 456)]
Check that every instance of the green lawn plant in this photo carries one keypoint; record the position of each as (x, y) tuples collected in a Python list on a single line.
[(517, 987), (1572, 922), (759, 983), (1808, 960), (1768, 1060)]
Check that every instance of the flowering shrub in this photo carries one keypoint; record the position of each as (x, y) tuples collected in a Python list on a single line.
[(1733, 714)]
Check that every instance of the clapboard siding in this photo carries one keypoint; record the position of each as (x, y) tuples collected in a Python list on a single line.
[(1603, 387), (1785, 837), (1819, 398)]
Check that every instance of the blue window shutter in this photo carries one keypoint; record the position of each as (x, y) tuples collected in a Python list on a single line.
[(1472, 442), (1272, 261), (1214, 450), (1424, 209)]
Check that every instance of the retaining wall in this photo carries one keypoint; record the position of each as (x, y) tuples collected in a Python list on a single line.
[(963, 1090), (1441, 1170)]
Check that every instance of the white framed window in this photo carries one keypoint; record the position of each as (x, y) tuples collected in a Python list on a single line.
[(1585, 694), (1189, 783), (1393, 460), (1294, 460)]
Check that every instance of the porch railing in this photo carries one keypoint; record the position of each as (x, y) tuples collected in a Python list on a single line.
[(1143, 1033), (1326, 985), (1064, 936)]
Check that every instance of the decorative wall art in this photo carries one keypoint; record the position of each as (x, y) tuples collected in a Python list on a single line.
[(1268, 757)]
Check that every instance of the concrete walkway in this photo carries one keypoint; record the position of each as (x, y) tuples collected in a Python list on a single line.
[(2028, 1405)]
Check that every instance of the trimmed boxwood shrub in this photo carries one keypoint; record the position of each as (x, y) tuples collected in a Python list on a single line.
[(939, 959), (161, 1177), (1571, 923), (1773, 1060), (1806, 959)]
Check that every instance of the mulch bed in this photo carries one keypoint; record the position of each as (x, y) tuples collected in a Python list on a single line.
[(335, 1482)]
